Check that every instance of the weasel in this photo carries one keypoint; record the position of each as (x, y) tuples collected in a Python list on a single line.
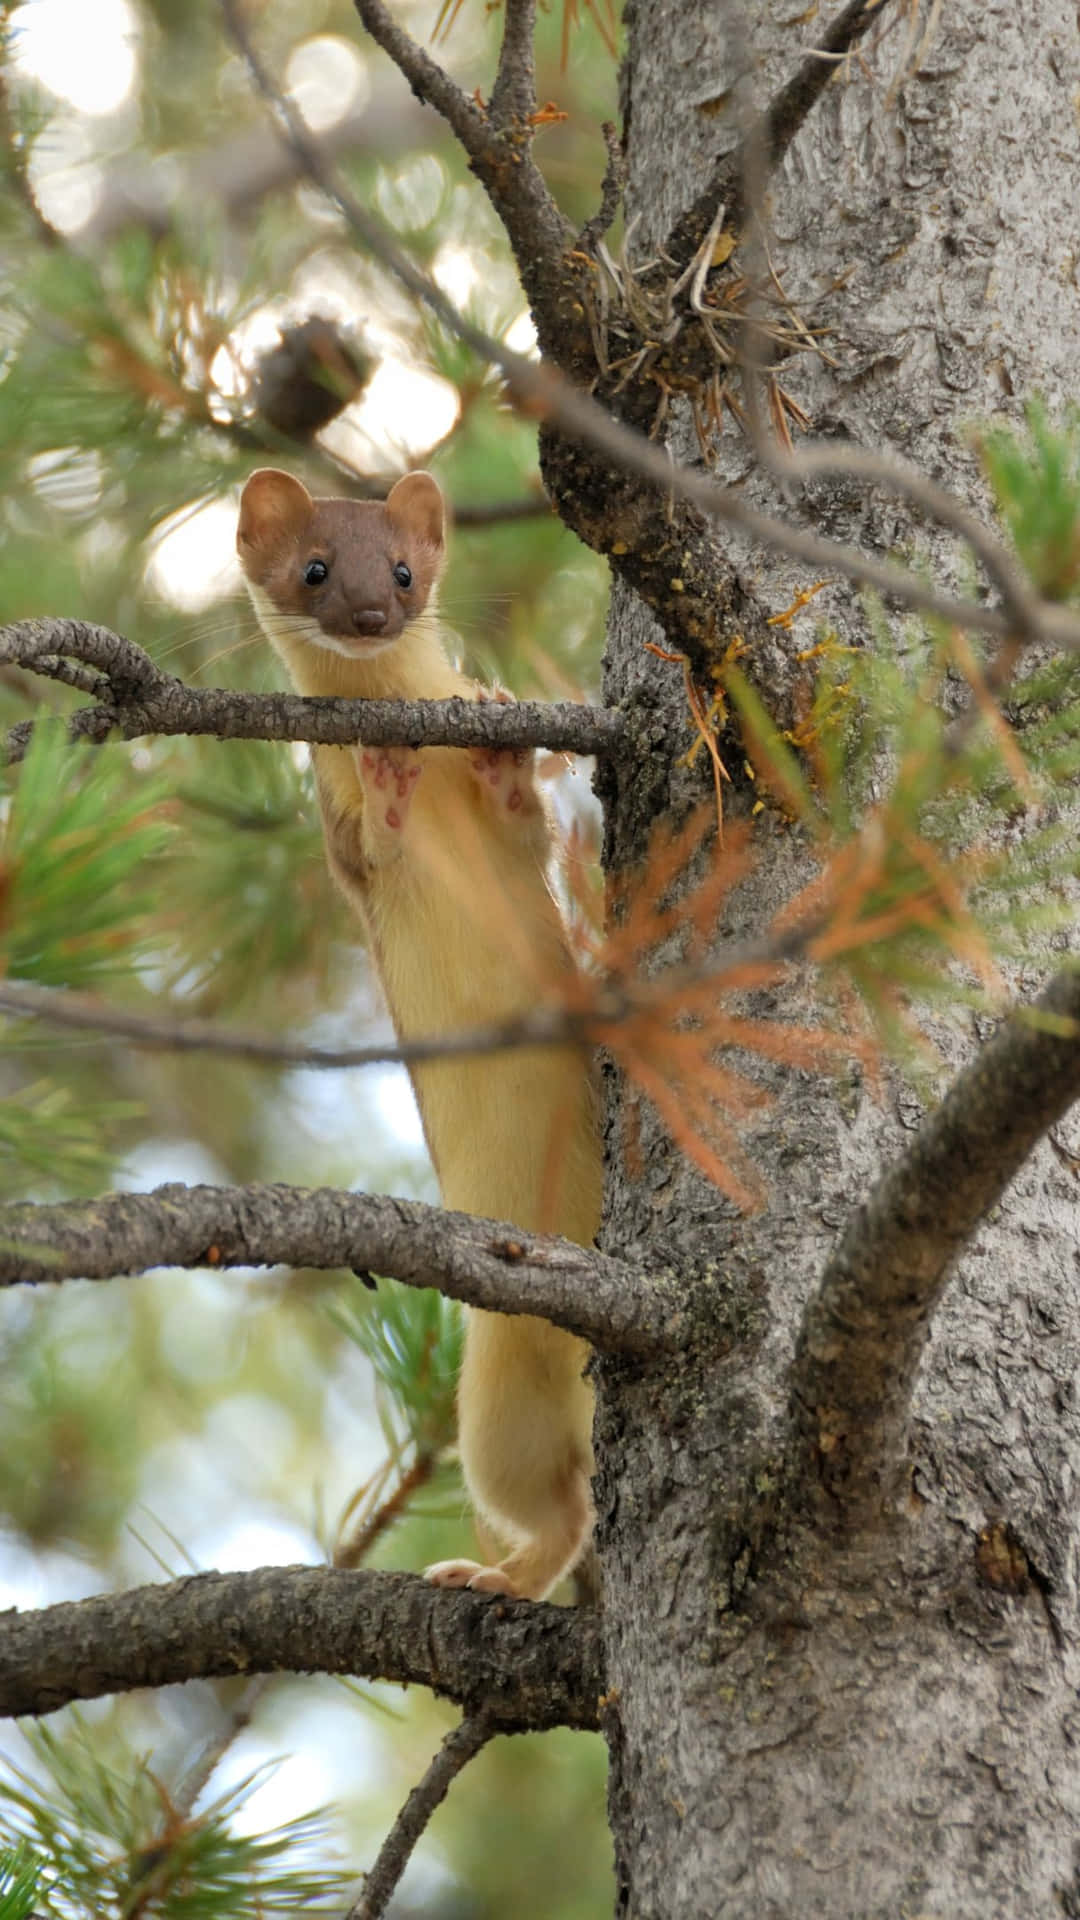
[(443, 852)]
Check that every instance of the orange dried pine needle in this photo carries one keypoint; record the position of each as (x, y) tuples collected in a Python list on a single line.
[(704, 718)]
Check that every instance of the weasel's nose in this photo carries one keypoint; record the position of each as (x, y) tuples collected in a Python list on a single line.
[(368, 619)]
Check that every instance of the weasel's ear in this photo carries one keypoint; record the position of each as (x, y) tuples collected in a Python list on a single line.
[(417, 505), (273, 507)]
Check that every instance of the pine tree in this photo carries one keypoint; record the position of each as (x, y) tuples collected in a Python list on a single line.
[(833, 1660)]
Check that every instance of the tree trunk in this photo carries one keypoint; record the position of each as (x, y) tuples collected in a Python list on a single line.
[(802, 1721)]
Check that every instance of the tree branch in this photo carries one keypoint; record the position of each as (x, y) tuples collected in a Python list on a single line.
[(758, 151), (486, 1263), (528, 1665), (135, 697), (612, 188), (513, 97), (863, 1331), (498, 145), (553, 1026), (498, 513), (239, 172), (460, 1746), (427, 80)]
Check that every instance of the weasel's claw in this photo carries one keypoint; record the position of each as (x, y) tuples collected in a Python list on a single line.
[(452, 1573), (469, 1573), (493, 1580)]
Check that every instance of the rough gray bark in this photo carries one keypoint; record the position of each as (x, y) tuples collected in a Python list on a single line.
[(530, 1666), (811, 1720), (135, 697), (486, 1263)]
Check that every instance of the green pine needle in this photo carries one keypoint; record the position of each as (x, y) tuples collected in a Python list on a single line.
[(1036, 482), (412, 1337), (80, 833), (20, 1876), (114, 1846)]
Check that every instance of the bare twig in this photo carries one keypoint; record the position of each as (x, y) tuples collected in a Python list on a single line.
[(611, 192), (142, 699), (513, 97), (532, 1665), (428, 81), (757, 155), (354, 1548), (864, 1330), (795, 101), (464, 514), (235, 1722), (486, 1263), (81, 1011), (1022, 606), (459, 1747), (497, 143), (239, 172), (495, 513), (541, 391)]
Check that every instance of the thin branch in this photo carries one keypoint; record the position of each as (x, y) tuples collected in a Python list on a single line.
[(81, 1011), (459, 1747), (612, 188), (143, 699), (544, 393), (531, 1665), (1022, 606), (864, 1330), (497, 513), (498, 145), (757, 154), (240, 172), (427, 80), (258, 438), (352, 1549), (235, 1722), (790, 108), (513, 97), (127, 671), (486, 1263)]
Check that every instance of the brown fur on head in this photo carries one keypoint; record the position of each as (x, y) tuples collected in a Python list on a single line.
[(356, 572)]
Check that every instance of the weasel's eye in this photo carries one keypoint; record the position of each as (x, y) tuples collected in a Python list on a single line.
[(403, 575), (315, 573)]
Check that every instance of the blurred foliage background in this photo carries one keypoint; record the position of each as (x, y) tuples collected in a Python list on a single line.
[(161, 281)]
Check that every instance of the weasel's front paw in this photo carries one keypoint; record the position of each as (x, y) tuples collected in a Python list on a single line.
[(389, 776)]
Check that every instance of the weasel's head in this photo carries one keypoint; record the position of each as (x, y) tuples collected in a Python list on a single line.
[(349, 575)]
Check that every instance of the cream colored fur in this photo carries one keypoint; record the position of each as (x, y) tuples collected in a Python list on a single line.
[(465, 931)]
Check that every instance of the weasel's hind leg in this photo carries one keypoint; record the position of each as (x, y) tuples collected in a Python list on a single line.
[(534, 1567)]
